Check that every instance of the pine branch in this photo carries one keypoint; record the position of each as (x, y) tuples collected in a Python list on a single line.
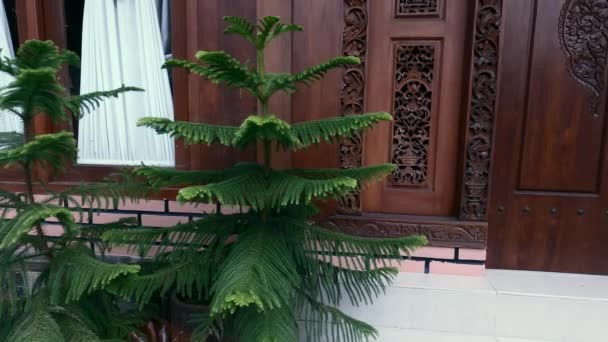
[(73, 326), (277, 82), (313, 132), (205, 327), (258, 190), (34, 91), (265, 128), (261, 34), (275, 325), (37, 326), (11, 231), (363, 175), (75, 272), (205, 232), (165, 177), (10, 140), (269, 27), (241, 27), (328, 281), (82, 104), (102, 195), (8, 66), (317, 72), (259, 272), (327, 323), (10, 199), (193, 133), (37, 54), (13, 275), (219, 67), (342, 247), (190, 276), (51, 150)]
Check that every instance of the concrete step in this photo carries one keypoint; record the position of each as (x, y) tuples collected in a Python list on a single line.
[(501, 304)]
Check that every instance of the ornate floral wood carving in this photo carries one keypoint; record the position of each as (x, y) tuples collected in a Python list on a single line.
[(413, 97), (352, 94), (481, 110), (449, 233), (583, 31), (406, 8)]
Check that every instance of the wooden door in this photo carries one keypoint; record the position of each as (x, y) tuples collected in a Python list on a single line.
[(549, 190), (416, 71)]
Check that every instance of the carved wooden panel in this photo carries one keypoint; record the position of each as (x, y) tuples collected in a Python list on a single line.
[(438, 233), (352, 93), (482, 110), (416, 71), (413, 98), (409, 8), (583, 31)]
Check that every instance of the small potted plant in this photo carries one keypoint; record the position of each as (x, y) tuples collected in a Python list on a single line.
[(268, 270)]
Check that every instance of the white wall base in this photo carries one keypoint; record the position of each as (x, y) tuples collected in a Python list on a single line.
[(501, 306)]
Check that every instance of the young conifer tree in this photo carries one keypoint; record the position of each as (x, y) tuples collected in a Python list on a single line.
[(64, 303), (268, 269)]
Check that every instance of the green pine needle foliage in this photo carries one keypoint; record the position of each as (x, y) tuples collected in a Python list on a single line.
[(269, 269), (192, 133), (53, 307), (76, 272), (50, 149)]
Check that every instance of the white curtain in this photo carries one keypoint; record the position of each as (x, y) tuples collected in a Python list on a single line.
[(9, 122), (121, 44)]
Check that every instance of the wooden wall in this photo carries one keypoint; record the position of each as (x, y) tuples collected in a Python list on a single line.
[(423, 62)]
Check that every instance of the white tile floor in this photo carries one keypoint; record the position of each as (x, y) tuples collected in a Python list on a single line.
[(399, 335), (503, 306)]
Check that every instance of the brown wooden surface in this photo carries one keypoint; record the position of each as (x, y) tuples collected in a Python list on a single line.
[(447, 34), (549, 198), (439, 231), (209, 102), (318, 43), (365, 28)]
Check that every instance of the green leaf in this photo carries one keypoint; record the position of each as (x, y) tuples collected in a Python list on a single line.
[(313, 132), (193, 133)]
